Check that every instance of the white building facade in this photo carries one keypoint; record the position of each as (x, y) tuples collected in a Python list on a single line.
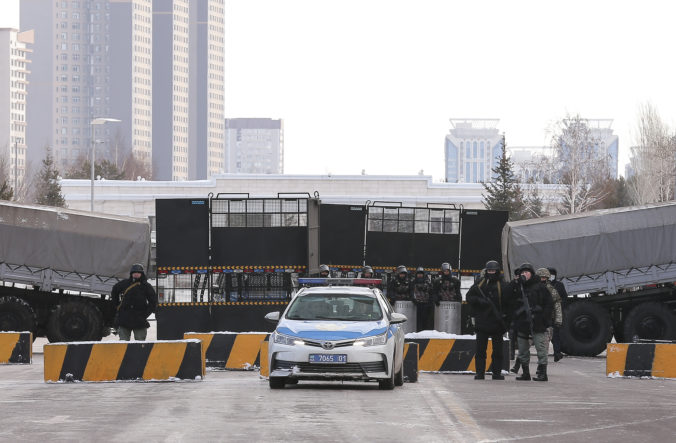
[(254, 146), (472, 148), (14, 50)]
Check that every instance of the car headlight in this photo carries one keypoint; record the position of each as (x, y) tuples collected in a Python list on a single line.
[(372, 341), (286, 339)]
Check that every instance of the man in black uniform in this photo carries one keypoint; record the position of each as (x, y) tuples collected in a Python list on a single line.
[(134, 299), (399, 287), (446, 287), (556, 337), (489, 300), (533, 315), (422, 297)]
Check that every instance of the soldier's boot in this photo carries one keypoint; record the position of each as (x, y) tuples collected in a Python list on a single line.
[(517, 365), (541, 373), (480, 366), (526, 373)]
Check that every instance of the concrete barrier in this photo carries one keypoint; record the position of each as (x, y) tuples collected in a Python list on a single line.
[(231, 350), (136, 360), (641, 360), (454, 354), (16, 347), (411, 362)]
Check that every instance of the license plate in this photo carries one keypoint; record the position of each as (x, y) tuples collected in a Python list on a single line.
[(328, 358)]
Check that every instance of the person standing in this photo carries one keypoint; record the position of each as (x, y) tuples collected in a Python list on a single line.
[(399, 288), (533, 316), (135, 299), (557, 315), (446, 287), (489, 300), (556, 336), (422, 297)]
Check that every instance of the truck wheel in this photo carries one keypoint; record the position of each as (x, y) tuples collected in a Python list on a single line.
[(16, 315), (586, 330), (75, 320), (650, 320)]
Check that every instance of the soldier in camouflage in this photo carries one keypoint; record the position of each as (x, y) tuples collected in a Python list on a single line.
[(446, 287), (422, 297)]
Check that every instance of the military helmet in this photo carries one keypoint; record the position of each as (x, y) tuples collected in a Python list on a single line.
[(552, 271), (492, 265), (366, 269), (324, 268), (527, 267), (446, 267), (542, 272), (137, 267), (402, 268)]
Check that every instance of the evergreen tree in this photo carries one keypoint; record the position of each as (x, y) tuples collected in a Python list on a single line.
[(104, 169), (6, 191), (504, 194), (48, 186)]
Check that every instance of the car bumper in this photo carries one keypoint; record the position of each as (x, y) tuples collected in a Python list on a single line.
[(366, 363)]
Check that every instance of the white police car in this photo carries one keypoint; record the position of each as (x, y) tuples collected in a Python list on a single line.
[(337, 333)]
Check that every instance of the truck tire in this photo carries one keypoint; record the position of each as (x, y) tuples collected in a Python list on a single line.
[(16, 315), (586, 329), (75, 320), (650, 320)]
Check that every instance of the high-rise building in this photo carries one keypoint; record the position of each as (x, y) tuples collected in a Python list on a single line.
[(171, 87), (131, 79), (14, 71), (472, 148), (70, 81), (254, 146), (207, 87), (530, 163)]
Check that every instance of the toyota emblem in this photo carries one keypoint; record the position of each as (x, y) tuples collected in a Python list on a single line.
[(328, 345)]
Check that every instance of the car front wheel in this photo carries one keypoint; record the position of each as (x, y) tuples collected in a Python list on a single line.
[(388, 383), (277, 382)]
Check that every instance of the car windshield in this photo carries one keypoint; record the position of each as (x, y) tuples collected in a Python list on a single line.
[(346, 307)]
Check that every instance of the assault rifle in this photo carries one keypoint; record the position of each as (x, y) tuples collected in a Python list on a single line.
[(525, 307), (493, 308)]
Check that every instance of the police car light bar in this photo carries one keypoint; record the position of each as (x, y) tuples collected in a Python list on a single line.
[(338, 281)]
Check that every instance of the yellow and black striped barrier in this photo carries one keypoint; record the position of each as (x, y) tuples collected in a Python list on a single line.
[(110, 361), (230, 350), (411, 362), (453, 355), (16, 347), (641, 360)]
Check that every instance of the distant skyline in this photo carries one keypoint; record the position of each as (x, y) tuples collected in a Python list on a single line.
[(372, 85)]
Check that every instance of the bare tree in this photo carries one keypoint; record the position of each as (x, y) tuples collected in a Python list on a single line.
[(653, 159), (582, 164)]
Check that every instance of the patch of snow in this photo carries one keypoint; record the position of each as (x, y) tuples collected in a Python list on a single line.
[(228, 332), (437, 334), (189, 340)]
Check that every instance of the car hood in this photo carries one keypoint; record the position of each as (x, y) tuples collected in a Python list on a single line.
[(331, 330)]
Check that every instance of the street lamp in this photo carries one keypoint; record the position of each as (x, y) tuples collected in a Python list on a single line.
[(97, 121)]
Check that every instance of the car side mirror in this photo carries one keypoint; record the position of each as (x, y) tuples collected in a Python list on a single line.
[(397, 318), (272, 317)]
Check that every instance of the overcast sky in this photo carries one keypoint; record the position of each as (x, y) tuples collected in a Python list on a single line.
[(371, 84)]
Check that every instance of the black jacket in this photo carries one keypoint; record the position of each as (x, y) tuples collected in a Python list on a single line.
[(541, 305), (134, 300), (491, 309), (421, 291), (399, 289), (447, 288)]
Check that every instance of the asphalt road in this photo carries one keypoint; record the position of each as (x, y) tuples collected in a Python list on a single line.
[(579, 403)]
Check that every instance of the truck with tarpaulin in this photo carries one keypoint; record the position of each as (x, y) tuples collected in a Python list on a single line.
[(618, 267), (225, 261), (58, 266)]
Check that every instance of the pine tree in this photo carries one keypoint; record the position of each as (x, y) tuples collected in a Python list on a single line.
[(48, 186), (6, 191), (504, 194)]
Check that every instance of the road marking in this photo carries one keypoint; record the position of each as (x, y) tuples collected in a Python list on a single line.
[(518, 420), (453, 414), (57, 419), (577, 431)]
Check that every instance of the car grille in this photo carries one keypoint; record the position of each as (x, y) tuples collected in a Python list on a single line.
[(318, 344), (342, 368)]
